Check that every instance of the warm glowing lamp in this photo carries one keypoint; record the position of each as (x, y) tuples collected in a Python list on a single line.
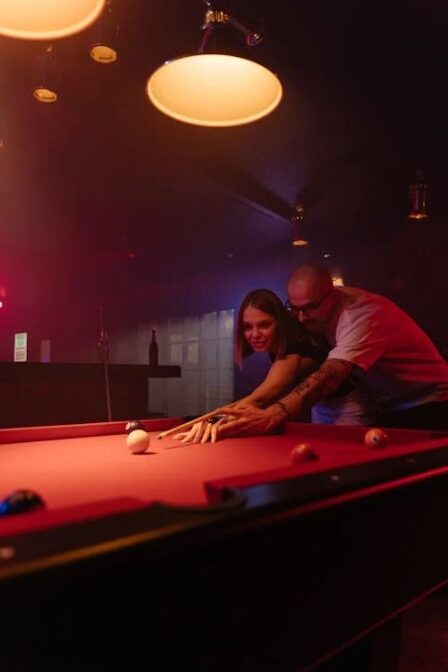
[(103, 50), (418, 195), (298, 239), (47, 19), (102, 53), (215, 89), (337, 279), (45, 90), (44, 95)]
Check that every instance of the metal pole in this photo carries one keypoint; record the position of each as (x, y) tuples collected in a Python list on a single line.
[(103, 345)]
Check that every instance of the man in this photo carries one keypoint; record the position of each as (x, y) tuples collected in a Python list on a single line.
[(371, 338)]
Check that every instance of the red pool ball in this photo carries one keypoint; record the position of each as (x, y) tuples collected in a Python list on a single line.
[(303, 452), (375, 438)]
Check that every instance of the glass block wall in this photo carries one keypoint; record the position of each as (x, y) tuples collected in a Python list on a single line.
[(203, 347)]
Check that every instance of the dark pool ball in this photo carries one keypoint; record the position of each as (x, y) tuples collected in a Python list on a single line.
[(21, 501), (133, 425), (375, 438), (303, 452)]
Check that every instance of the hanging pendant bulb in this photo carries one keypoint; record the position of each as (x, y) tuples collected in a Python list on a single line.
[(298, 238), (418, 195), (46, 87), (47, 19), (103, 53), (104, 49)]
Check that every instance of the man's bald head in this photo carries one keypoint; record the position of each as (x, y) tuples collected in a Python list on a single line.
[(311, 280), (311, 295)]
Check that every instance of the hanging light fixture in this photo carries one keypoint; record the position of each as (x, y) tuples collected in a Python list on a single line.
[(418, 196), (47, 19), (337, 278), (298, 238), (215, 89), (45, 90), (104, 48)]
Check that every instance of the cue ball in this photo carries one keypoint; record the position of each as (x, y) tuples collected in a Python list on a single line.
[(375, 438), (303, 453), (132, 425), (138, 441)]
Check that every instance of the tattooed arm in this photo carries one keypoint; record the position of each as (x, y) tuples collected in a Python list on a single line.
[(317, 386), (314, 388)]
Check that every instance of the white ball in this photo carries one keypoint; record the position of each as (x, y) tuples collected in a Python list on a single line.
[(138, 441)]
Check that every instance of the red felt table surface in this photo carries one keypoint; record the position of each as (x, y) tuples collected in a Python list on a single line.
[(87, 476)]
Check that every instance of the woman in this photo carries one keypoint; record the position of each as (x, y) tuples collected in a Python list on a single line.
[(264, 325)]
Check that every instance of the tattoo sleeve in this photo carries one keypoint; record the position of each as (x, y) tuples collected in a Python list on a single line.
[(317, 385)]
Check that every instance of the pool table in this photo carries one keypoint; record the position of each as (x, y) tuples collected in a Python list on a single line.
[(217, 556)]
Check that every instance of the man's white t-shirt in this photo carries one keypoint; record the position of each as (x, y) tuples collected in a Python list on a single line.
[(391, 353)]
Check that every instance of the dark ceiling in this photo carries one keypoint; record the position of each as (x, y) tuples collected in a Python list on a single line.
[(102, 185)]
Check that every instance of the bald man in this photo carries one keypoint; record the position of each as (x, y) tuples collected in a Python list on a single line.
[(370, 338)]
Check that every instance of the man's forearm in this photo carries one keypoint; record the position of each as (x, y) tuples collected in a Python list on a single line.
[(317, 386)]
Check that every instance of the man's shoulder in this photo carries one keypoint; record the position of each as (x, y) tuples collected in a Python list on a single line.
[(354, 299)]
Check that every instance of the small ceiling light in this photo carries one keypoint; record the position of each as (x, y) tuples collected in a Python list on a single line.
[(337, 279), (215, 89), (298, 238), (46, 90), (44, 95), (418, 196), (103, 51), (47, 19)]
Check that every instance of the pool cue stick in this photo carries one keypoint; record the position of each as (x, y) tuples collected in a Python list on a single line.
[(103, 345)]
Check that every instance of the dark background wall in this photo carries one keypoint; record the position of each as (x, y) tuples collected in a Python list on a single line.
[(409, 269), (106, 203)]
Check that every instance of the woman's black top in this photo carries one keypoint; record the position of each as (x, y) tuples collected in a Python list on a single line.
[(301, 342)]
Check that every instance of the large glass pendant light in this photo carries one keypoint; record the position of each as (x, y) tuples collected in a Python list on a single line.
[(47, 19), (215, 89)]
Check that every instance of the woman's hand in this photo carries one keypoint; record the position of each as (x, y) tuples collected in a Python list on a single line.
[(249, 420), (241, 418), (201, 432)]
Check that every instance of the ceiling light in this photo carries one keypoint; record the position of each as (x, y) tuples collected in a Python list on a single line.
[(215, 89), (418, 195), (101, 53), (103, 50), (44, 95), (337, 278), (45, 90), (47, 19), (298, 238)]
